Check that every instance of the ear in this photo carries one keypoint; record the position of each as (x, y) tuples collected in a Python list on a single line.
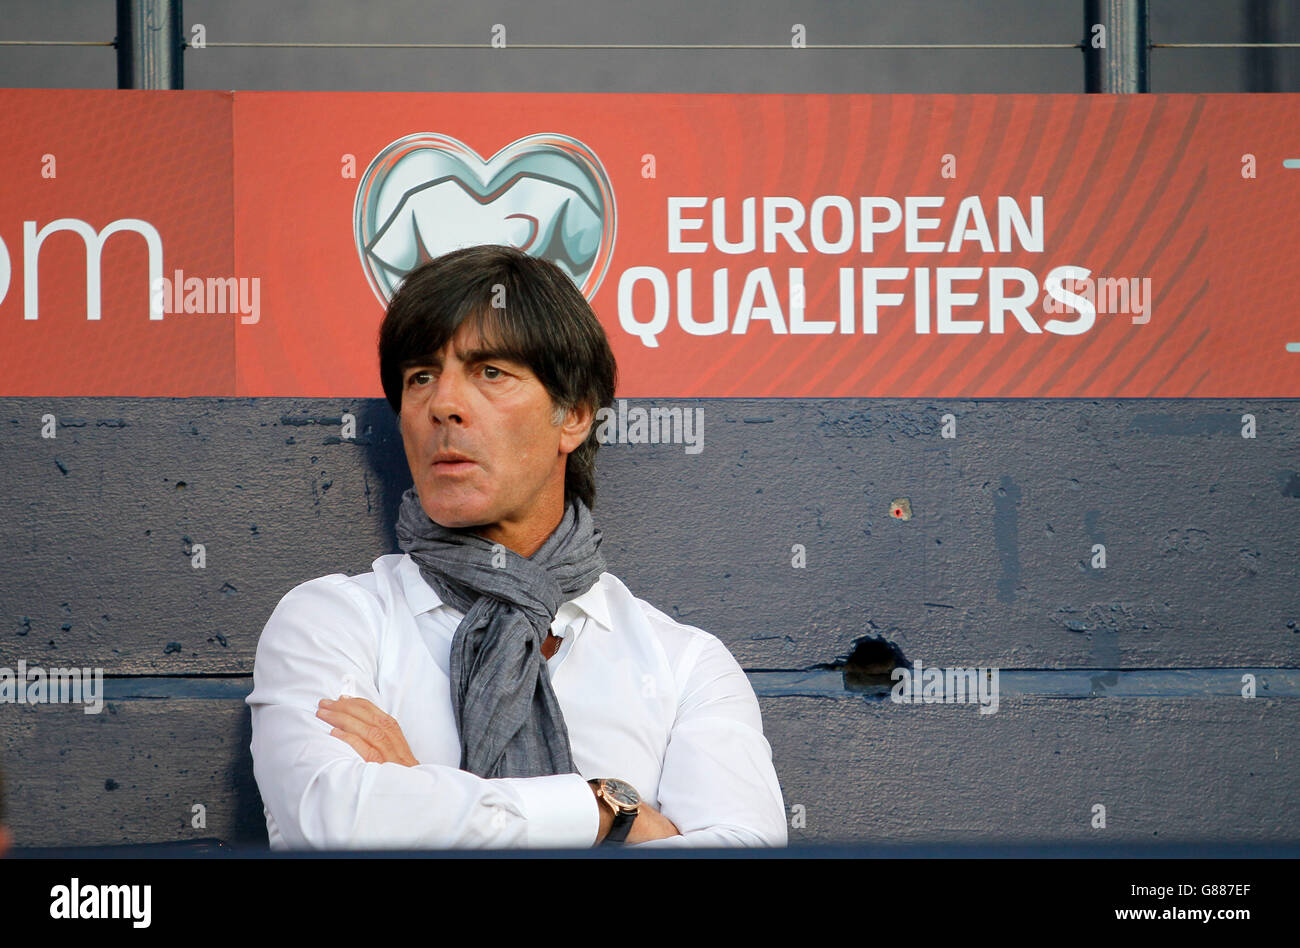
[(576, 426)]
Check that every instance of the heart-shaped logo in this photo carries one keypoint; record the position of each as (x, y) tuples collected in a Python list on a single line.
[(427, 194)]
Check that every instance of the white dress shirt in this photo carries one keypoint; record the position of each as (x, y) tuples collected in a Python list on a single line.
[(646, 699)]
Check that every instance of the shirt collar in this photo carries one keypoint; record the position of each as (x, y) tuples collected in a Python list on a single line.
[(422, 597)]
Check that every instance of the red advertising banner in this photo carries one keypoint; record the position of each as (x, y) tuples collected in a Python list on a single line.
[(245, 244)]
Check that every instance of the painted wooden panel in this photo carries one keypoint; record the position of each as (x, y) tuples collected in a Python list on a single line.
[(852, 769), (994, 566)]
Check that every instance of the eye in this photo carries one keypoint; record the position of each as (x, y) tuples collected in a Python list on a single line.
[(414, 376), (492, 368)]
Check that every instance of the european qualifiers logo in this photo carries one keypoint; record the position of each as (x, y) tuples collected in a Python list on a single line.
[(843, 227), (427, 194)]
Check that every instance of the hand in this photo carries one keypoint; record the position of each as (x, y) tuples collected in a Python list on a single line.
[(371, 733), (650, 824)]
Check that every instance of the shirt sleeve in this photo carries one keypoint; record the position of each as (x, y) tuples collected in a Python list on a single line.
[(322, 640), (718, 784)]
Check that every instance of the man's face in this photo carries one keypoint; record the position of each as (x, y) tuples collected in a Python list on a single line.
[(495, 412)]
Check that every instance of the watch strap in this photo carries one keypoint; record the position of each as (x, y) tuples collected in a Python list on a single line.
[(621, 826)]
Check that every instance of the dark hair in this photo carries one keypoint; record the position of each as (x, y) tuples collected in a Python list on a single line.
[(545, 324)]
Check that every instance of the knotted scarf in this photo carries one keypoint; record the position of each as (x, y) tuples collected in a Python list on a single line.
[(509, 720)]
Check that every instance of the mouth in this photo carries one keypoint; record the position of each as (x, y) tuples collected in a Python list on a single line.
[(452, 463)]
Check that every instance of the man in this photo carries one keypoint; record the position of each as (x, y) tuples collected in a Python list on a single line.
[(493, 685)]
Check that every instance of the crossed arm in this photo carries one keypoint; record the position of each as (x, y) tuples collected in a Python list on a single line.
[(342, 775), (378, 739)]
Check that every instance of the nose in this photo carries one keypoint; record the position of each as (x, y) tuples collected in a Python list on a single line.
[(448, 398)]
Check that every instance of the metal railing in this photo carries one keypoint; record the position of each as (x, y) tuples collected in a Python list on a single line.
[(150, 45)]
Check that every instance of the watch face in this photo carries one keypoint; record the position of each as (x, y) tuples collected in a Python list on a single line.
[(624, 793)]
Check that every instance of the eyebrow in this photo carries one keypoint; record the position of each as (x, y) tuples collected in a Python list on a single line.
[(472, 357)]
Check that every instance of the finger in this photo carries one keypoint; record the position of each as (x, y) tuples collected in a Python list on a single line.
[(380, 724), (377, 735), (367, 752), (346, 721), (360, 708)]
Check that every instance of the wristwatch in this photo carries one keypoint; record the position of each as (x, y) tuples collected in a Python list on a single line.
[(621, 797)]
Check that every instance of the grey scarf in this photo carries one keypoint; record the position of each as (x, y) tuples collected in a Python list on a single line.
[(509, 720)]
